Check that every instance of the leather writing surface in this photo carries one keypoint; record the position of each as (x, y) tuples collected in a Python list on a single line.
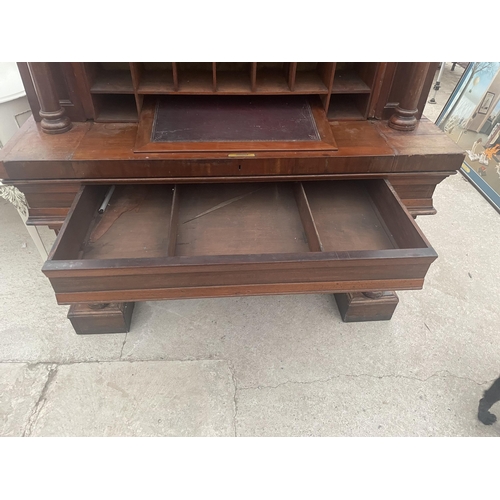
[(233, 119)]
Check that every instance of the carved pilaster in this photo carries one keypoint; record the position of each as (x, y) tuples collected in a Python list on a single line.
[(54, 119), (404, 115)]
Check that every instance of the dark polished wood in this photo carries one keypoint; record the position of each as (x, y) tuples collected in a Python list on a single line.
[(233, 123), (379, 306), (54, 119), (238, 216), (404, 117), (101, 318), (241, 239)]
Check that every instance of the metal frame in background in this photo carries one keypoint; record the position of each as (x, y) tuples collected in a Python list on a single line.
[(472, 176)]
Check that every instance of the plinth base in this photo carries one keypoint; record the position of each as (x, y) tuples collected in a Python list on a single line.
[(359, 307), (101, 318)]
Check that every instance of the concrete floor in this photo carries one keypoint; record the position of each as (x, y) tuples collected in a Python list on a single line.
[(261, 366)]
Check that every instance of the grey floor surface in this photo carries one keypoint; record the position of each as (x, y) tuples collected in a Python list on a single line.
[(261, 366)]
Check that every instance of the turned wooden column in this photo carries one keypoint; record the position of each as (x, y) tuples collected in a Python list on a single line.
[(404, 115), (54, 119)]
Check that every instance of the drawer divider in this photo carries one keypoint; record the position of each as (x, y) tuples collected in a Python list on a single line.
[(381, 219), (394, 216), (307, 218), (174, 222)]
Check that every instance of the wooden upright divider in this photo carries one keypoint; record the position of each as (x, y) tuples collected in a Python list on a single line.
[(136, 70), (292, 73), (175, 77), (307, 218), (174, 222), (253, 76)]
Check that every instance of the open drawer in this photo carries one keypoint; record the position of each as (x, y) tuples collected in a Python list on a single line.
[(209, 240)]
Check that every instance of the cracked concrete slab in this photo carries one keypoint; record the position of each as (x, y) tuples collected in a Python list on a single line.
[(363, 406), (20, 388), (452, 324), (151, 398), (33, 327)]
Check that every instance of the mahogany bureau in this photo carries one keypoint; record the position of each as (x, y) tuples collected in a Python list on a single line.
[(190, 180)]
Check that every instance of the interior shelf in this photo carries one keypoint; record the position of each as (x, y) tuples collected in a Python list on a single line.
[(115, 108), (234, 78), (309, 82), (233, 82), (349, 82), (347, 86), (112, 82), (195, 82), (109, 78), (156, 82), (348, 107)]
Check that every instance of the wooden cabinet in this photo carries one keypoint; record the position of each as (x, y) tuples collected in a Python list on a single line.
[(226, 179)]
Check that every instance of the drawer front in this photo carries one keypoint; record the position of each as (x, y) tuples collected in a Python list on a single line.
[(156, 242)]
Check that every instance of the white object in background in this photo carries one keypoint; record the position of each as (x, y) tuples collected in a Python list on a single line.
[(14, 111), (14, 107), (14, 196)]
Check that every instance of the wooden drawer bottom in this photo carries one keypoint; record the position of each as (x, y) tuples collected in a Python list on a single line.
[(159, 241)]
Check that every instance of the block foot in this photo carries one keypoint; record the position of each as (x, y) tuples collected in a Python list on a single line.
[(101, 318), (369, 306)]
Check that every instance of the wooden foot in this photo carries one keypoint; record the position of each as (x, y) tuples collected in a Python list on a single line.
[(368, 306), (101, 318)]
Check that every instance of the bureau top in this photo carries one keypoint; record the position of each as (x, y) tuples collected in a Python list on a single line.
[(159, 120), (94, 150)]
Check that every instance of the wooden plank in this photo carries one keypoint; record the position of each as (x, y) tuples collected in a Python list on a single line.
[(82, 89), (117, 280), (230, 219), (93, 142), (112, 82), (253, 76), (307, 218), (196, 82), (30, 90), (349, 82), (175, 76), (157, 82), (174, 222), (292, 72), (68, 242), (400, 181), (236, 82), (135, 224), (238, 291), (364, 263), (395, 215), (99, 151), (345, 217)]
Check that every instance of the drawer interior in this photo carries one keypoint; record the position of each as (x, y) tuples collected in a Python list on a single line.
[(156, 221), (235, 219), (347, 218), (136, 223)]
